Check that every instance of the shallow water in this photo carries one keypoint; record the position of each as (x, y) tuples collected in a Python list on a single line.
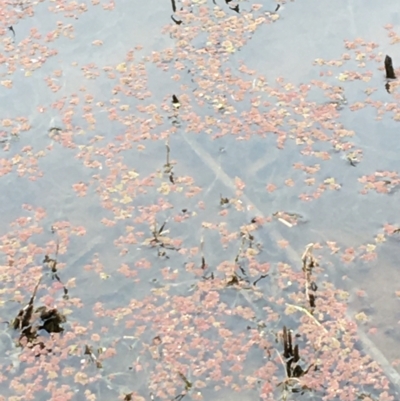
[(267, 140)]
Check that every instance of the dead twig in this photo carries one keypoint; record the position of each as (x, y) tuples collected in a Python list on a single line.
[(309, 262)]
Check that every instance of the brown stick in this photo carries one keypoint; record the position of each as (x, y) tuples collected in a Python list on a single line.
[(389, 68)]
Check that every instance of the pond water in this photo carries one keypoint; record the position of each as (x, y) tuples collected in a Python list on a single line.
[(165, 168)]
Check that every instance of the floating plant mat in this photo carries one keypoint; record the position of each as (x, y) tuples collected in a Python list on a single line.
[(167, 185), (292, 254)]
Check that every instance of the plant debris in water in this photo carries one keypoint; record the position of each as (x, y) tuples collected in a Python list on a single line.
[(156, 281)]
